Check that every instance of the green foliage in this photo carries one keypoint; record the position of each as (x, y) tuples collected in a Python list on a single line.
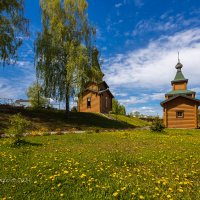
[(157, 125), (12, 25), (35, 95), (74, 109), (117, 108), (135, 114), (18, 126), (65, 56)]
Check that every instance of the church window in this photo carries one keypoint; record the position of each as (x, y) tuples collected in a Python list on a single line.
[(179, 114), (89, 102)]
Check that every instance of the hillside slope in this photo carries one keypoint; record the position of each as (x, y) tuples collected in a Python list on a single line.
[(52, 120), (130, 120)]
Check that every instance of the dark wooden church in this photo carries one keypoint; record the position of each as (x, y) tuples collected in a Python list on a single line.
[(180, 107)]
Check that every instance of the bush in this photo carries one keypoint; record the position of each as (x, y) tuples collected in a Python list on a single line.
[(74, 109), (157, 125), (18, 126)]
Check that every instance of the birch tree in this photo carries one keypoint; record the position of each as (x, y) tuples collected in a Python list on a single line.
[(64, 50)]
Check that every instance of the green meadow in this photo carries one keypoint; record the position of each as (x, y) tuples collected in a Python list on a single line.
[(134, 164)]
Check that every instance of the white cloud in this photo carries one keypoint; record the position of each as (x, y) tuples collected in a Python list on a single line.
[(197, 89), (152, 26), (140, 99), (157, 96), (153, 67), (133, 100), (20, 77), (120, 94), (147, 110), (165, 23), (118, 5), (99, 34), (138, 3)]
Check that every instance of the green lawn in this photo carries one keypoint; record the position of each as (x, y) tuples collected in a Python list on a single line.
[(117, 165)]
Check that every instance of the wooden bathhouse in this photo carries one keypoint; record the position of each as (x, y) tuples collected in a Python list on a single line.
[(180, 108), (96, 98)]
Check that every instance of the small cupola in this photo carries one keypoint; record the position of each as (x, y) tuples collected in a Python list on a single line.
[(179, 78)]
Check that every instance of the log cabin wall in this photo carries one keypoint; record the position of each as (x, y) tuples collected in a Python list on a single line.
[(179, 86), (190, 113), (102, 86), (95, 102), (106, 108)]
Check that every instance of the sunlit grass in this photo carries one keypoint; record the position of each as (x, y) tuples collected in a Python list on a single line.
[(120, 165), (131, 120)]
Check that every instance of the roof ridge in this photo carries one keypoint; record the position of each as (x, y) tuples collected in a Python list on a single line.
[(180, 95)]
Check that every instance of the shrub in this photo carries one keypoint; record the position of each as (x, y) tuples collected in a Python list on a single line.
[(157, 125), (17, 126), (74, 109)]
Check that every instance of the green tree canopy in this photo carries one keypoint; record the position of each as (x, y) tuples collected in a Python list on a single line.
[(65, 57), (117, 108), (35, 95), (13, 26)]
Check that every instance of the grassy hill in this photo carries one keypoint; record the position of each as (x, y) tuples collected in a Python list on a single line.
[(116, 165), (131, 120), (53, 120)]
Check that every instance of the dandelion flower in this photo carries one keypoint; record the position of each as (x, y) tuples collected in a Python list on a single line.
[(180, 190), (115, 194), (82, 176)]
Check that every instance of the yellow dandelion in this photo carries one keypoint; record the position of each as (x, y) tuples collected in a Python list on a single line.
[(59, 185), (170, 189), (115, 194), (82, 176), (62, 195), (180, 190), (141, 197), (168, 196)]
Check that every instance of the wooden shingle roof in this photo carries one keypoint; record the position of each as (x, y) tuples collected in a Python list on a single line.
[(180, 95)]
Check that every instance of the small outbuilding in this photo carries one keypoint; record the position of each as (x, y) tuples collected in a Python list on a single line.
[(180, 108), (96, 98)]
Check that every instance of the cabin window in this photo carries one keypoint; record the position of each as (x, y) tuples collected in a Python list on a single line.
[(179, 114), (89, 102), (106, 102)]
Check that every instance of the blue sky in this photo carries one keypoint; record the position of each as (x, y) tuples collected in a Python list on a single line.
[(138, 40)]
